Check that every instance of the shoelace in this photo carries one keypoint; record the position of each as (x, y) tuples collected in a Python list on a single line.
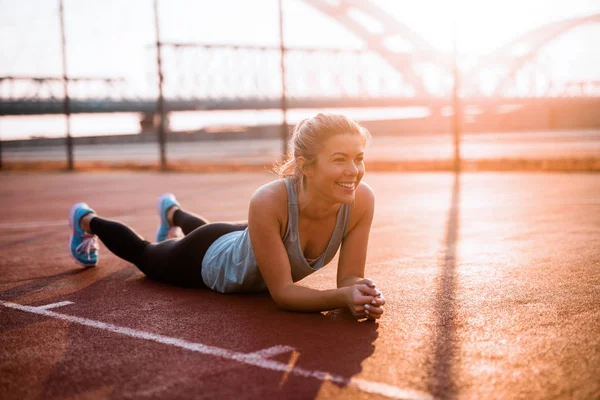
[(175, 232), (89, 244)]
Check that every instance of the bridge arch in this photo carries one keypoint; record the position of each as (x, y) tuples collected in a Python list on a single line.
[(381, 38), (516, 53)]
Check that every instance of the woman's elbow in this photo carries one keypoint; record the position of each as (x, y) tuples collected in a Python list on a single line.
[(283, 298), (280, 302)]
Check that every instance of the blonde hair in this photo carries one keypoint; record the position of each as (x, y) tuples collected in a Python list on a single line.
[(309, 135)]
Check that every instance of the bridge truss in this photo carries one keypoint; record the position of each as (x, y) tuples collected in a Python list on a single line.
[(204, 76)]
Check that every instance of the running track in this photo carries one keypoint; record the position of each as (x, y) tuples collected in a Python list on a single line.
[(492, 284)]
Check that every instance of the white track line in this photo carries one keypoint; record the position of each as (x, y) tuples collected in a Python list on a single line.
[(273, 351), (248, 359), (54, 305)]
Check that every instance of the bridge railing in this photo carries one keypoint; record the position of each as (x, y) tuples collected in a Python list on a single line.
[(202, 77), (222, 73), (219, 71), (31, 88)]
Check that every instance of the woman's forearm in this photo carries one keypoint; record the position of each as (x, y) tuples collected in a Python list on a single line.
[(349, 281), (300, 298)]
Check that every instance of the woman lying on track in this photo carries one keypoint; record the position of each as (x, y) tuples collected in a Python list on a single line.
[(296, 224)]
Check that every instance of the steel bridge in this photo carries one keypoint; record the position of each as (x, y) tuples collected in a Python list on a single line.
[(228, 77)]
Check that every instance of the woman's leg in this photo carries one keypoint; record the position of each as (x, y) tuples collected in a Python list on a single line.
[(120, 239), (186, 220), (179, 262), (175, 223)]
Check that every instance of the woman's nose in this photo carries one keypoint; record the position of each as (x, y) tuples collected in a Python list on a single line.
[(352, 170)]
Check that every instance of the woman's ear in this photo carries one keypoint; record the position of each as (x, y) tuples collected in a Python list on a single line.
[(303, 165)]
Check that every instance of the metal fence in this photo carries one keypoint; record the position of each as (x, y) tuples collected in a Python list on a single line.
[(247, 96)]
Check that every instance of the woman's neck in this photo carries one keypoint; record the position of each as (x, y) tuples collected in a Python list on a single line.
[(313, 205)]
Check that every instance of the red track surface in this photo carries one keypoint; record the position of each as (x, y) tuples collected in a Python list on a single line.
[(492, 284)]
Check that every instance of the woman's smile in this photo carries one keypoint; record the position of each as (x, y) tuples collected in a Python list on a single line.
[(350, 186)]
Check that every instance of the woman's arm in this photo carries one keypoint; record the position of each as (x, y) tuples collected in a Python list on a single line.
[(353, 254), (264, 225)]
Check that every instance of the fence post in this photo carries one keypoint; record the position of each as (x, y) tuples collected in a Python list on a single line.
[(161, 101), (284, 125), (67, 100)]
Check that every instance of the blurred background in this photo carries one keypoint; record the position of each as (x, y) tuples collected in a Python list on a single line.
[(178, 84)]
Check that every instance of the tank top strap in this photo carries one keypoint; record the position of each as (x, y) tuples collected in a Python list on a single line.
[(347, 212), (339, 232), (292, 224), (290, 184)]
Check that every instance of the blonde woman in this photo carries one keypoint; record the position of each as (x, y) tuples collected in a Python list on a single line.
[(296, 224)]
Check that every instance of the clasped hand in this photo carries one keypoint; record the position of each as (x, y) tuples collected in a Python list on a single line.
[(365, 300)]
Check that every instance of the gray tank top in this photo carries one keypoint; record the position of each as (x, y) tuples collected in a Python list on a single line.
[(229, 265)]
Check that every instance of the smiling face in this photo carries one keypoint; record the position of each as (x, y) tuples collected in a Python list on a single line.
[(338, 167)]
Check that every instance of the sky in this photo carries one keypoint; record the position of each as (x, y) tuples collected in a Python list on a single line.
[(109, 37), (112, 38)]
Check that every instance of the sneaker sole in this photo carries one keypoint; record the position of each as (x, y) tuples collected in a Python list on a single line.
[(72, 224)]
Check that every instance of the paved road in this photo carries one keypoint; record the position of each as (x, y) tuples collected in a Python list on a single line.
[(522, 145), (492, 282)]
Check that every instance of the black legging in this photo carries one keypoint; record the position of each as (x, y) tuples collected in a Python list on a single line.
[(176, 261)]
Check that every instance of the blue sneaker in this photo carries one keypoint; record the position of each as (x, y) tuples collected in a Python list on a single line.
[(82, 245), (165, 230)]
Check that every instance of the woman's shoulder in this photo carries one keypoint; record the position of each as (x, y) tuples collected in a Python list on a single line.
[(271, 196), (365, 190), (365, 196), (269, 203), (363, 205), (271, 192)]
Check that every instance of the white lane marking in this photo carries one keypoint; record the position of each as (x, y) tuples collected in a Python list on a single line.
[(54, 305), (266, 353), (248, 359), (273, 351)]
